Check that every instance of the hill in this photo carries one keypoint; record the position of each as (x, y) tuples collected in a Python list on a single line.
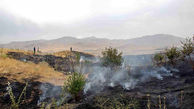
[(142, 45)]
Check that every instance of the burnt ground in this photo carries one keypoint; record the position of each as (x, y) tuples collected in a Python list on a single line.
[(178, 90), (62, 64), (29, 100), (170, 87), (35, 93), (173, 89), (58, 63)]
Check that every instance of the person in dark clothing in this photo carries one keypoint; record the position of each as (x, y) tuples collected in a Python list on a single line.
[(71, 49), (34, 50)]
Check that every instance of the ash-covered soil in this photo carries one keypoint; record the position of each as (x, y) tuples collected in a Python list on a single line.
[(62, 64), (58, 63), (29, 100), (171, 92), (36, 92), (175, 91)]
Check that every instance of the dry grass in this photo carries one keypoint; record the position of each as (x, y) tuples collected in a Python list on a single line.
[(63, 54), (5, 51), (21, 71)]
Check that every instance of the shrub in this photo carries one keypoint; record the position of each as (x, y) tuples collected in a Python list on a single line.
[(187, 47), (159, 59), (172, 54), (75, 85), (111, 57)]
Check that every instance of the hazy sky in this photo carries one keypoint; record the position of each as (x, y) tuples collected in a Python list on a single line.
[(48, 19)]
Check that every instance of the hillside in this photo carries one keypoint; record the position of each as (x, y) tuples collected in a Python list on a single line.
[(19, 65), (129, 88), (93, 45)]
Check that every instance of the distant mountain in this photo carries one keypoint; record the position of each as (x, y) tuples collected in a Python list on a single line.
[(142, 45)]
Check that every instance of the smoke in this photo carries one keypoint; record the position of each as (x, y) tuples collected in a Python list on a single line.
[(96, 80), (100, 77), (49, 91)]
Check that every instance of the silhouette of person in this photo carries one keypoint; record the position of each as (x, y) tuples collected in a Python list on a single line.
[(71, 49), (34, 50)]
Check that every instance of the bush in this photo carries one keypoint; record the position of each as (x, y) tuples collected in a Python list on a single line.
[(75, 85), (187, 47), (111, 57), (172, 54), (159, 59)]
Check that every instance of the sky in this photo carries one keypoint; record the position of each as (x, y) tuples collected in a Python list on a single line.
[(114, 19)]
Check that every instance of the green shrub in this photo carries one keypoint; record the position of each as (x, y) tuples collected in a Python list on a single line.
[(75, 85), (172, 54), (187, 47), (111, 57), (159, 59)]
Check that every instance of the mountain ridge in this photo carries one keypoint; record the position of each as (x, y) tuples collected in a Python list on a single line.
[(141, 45)]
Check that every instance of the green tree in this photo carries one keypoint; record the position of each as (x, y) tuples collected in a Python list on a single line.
[(111, 57)]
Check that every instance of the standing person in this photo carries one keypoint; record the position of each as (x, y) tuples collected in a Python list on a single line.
[(34, 50), (71, 49)]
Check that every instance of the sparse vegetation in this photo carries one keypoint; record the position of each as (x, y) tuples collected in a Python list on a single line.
[(148, 102), (159, 102), (187, 47), (75, 84), (119, 102), (172, 54), (16, 102), (111, 57), (159, 59)]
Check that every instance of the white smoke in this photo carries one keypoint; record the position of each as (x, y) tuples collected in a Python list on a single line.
[(49, 91), (96, 80), (100, 77)]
